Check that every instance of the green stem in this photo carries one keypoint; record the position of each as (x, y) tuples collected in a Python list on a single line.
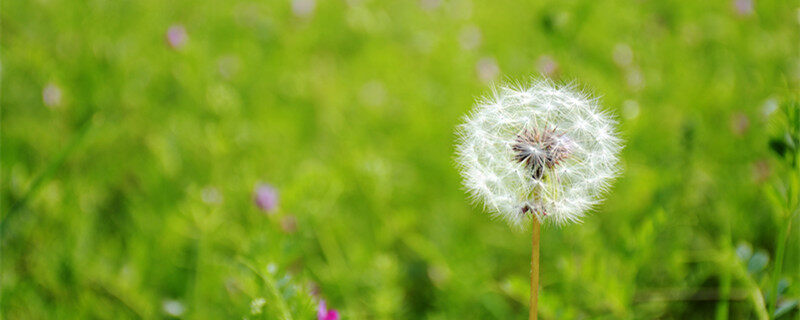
[(776, 272), (723, 305), (284, 309), (46, 175)]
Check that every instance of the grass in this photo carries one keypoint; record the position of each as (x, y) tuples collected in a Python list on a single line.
[(134, 189)]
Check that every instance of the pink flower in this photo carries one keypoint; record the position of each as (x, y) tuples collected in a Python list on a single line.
[(265, 197), (743, 7), (51, 95), (487, 69), (324, 314), (177, 36)]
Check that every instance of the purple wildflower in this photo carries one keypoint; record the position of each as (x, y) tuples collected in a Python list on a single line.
[(265, 197), (743, 7), (177, 36), (51, 95), (324, 314), (487, 69)]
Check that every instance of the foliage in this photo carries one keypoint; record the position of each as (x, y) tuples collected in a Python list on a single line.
[(134, 134)]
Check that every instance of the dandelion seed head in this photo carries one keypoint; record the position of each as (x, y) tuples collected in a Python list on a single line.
[(540, 150)]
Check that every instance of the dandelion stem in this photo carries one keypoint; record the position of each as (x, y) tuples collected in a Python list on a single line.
[(534, 311), (270, 284)]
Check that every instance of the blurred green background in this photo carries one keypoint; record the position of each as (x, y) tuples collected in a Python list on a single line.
[(135, 132)]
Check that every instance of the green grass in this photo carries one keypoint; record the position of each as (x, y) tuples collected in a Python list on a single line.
[(350, 112)]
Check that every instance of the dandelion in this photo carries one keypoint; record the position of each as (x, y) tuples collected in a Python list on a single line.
[(265, 197), (543, 150), (324, 314), (540, 153)]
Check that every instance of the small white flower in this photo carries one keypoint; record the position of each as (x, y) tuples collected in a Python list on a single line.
[(173, 308), (257, 305), (542, 149)]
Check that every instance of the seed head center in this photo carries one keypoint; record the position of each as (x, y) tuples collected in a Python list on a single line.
[(540, 149)]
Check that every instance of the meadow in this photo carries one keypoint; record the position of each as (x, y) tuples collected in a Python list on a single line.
[(137, 137)]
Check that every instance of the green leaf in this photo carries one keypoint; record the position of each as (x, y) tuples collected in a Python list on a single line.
[(758, 262), (784, 308), (778, 146)]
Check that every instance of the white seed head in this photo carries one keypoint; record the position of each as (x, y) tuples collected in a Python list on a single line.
[(541, 149)]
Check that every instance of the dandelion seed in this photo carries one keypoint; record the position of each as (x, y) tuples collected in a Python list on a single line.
[(542, 150), (266, 197)]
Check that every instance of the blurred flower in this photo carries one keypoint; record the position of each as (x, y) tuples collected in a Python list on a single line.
[(303, 8), (630, 109), (266, 197), (739, 123), (324, 314), (228, 66), (51, 95), (173, 308), (211, 195), (289, 224), (469, 37), (623, 55), (177, 36), (761, 171), (743, 7), (635, 79), (769, 107), (798, 15), (372, 94), (429, 5), (487, 69), (542, 150), (438, 275), (547, 66), (257, 305)]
